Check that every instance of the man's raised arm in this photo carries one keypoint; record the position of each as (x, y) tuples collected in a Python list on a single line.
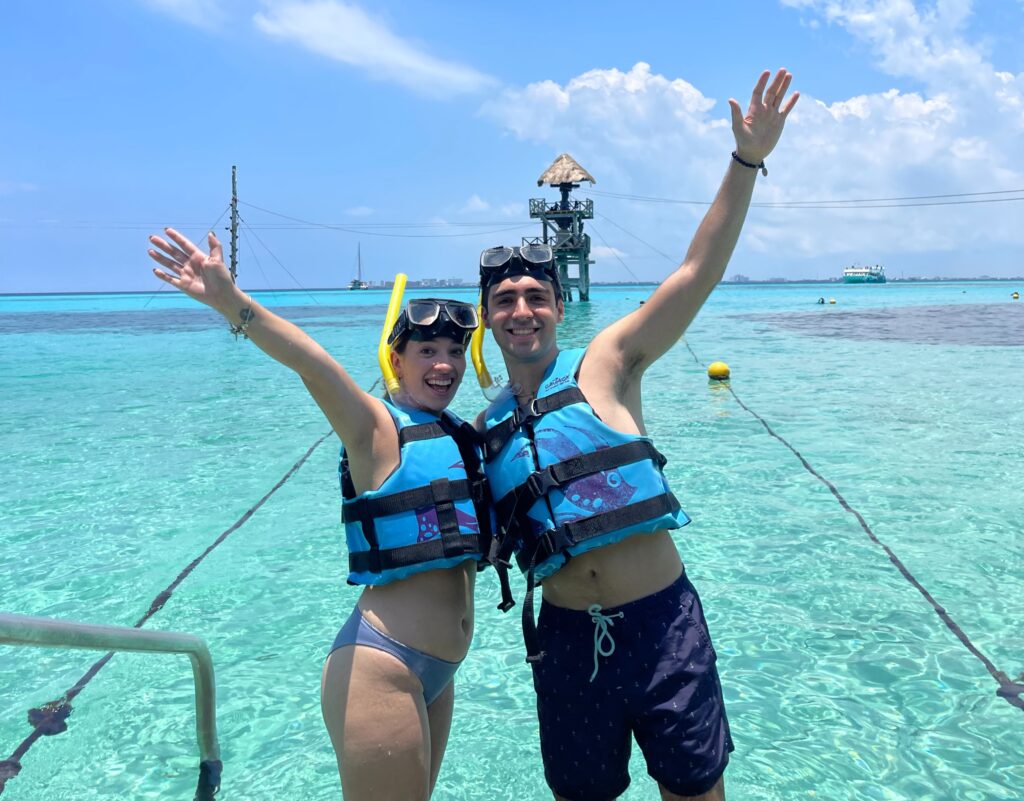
[(641, 337)]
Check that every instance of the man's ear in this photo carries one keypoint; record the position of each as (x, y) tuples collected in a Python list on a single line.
[(560, 309), (483, 318)]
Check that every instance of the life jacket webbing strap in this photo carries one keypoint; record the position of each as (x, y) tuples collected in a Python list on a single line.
[(533, 652), (419, 432), (496, 437), (379, 560), (369, 508), (507, 601), (521, 498), (467, 439), (565, 536)]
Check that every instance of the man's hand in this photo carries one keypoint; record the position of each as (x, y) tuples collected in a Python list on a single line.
[(758, 132)]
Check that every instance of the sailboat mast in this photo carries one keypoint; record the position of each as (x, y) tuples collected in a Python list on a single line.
[(234, 224), (359, 261)]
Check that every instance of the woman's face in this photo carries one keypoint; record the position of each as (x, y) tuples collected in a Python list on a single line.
[(430, 372)]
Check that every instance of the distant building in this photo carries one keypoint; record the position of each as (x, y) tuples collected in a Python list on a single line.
[(740, 278)]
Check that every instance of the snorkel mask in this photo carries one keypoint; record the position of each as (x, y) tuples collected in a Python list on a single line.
[(422, 319), (496, 264), (536, 260)]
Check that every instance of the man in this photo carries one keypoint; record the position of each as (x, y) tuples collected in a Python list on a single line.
[(621, 648)]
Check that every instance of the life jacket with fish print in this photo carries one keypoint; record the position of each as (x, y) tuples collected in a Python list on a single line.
[(432, 512), (565, 482)]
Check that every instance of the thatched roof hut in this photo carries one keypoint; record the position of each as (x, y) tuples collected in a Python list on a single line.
[(565, 170)]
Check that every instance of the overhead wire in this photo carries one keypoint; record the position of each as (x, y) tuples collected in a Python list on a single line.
[(362, 228), (955, 199)]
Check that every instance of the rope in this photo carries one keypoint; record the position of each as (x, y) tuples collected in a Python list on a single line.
[(1011, 691), (51, 717)]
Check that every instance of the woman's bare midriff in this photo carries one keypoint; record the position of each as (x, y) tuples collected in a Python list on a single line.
[(431, 612), (616, 574)]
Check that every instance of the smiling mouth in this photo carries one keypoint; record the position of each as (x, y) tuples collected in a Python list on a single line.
[(440, 384), (522, 332)]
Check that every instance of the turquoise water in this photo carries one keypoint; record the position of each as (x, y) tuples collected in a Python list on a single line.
[(135, 430)]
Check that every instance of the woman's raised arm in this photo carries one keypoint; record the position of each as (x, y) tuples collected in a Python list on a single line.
[(353, 414)]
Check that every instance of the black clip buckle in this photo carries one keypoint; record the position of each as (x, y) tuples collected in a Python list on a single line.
[(541, 481), (519, 416), (534, 658)]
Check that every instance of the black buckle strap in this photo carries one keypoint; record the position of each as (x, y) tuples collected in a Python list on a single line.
[(420, 432), (568, 534), (368, 508), (498, 435), (378, 560), (533, 652), (507, 601), (537, 485)]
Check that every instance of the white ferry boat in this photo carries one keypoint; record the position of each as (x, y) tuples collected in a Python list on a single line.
[(864, 275)]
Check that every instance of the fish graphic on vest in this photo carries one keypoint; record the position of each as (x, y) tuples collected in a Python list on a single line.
[(589, 493), (427, 524)]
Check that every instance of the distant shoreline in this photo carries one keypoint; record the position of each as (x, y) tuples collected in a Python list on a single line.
[(415, 285)]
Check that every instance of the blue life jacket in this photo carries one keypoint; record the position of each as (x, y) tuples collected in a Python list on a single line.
[(432, 512), (565, 482)]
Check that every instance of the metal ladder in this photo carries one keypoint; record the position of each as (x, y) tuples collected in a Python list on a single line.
[(47, 633)]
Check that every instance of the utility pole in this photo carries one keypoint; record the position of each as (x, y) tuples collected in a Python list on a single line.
[(234, 224)]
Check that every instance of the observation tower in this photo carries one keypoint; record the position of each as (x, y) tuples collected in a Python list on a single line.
[(562, 221)]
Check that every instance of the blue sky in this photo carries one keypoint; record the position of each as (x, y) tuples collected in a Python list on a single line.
[(121, 116)]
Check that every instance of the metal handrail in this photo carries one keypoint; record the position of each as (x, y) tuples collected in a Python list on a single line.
[(48, 633)]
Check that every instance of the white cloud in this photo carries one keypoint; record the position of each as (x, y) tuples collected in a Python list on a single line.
[(513, 210), (647, 134), (201, 13), (605, 252), (359, 211), (346, 33), (475, 204)]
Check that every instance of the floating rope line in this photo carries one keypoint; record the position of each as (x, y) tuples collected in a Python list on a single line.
[(51, 717), (1010, 690)]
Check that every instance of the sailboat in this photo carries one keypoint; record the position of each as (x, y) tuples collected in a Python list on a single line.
[(358, 282)]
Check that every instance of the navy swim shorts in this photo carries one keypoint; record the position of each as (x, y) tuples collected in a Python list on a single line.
[(644, 670)]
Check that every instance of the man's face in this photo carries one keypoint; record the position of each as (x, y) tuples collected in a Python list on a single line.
[(522, 313)]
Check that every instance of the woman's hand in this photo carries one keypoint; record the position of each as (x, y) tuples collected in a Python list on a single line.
[(758, 132), (200, 276)]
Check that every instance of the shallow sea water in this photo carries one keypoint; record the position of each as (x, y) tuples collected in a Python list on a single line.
[(135, 430)]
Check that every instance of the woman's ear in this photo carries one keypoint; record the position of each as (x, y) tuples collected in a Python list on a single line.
[(396, 363)]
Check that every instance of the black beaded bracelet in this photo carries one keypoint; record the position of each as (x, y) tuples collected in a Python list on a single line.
[(761, 167)]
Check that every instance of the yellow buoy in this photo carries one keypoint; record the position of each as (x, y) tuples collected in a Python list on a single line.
[(832, 301), (1015, 296), (718, 371)]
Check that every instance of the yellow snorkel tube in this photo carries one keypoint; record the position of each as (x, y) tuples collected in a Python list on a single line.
[(383, 348), (488, 385)]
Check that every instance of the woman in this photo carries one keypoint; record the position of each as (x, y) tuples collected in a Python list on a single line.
[(412, 485)]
